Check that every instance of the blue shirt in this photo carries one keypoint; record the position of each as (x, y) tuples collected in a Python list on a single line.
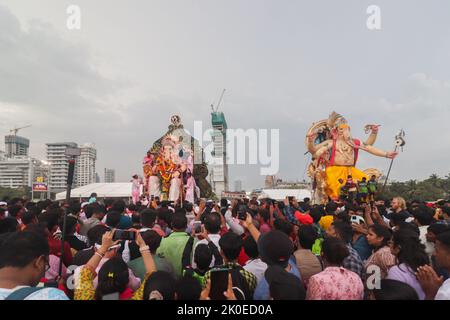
[(262, 291), (363, 248)]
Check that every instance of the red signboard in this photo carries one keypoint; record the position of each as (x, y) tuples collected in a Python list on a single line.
[(40, 187)]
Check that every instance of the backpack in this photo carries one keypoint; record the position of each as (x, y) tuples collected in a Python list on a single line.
[(22, 293), (240, 285)]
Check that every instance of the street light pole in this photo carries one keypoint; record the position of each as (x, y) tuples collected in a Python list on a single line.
[(72, 153), (49, 181)]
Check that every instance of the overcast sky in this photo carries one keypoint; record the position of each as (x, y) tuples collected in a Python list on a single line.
[(285, 64)]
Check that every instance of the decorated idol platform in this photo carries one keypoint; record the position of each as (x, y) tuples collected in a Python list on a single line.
[(174, 167), (334, 156)]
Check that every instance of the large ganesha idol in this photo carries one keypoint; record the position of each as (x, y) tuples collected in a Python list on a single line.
[(335, 154), (169, 166)]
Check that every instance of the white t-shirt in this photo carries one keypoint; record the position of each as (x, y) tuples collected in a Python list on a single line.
[(257, 267), (444, 291), (214, 239)]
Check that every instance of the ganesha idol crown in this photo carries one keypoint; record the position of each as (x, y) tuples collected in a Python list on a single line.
[(175, 121), (335, 120)]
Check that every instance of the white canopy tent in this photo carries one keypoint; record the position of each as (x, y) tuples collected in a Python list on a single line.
[(281, 194), (103, 190)]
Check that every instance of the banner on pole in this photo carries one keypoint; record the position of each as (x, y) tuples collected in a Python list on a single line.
[(40, 187)]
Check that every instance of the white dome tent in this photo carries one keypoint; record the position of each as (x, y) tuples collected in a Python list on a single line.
[(103, 190), (281, 194)]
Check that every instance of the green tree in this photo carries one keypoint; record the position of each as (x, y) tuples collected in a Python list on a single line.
[(430, 189), (8, 193)]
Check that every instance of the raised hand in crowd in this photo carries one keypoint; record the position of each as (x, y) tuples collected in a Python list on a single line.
[(376, 216), (429, 280), (368, 216), (107, 244), (248, 224), (204, 234), (144, 249), (201, 235), (359, 228), (201, 210)]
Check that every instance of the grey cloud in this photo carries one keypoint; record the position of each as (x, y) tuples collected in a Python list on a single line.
[(40, 70)]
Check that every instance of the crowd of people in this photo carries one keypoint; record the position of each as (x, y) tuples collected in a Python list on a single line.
[(224, 250)]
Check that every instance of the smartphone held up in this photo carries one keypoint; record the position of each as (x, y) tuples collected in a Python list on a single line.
[(219, 284), (123, 235), (197, 227)]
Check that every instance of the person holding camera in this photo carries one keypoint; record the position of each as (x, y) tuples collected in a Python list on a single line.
[(113, 276), (231, 217), (212, 226), (203, 256), (111, 252)]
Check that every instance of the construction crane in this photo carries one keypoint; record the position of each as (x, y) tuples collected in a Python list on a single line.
[(15, 130), (219, 102)]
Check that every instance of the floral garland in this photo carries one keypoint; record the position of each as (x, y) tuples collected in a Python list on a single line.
[(165, 171)]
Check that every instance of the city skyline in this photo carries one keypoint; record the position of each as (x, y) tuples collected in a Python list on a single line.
[(284, 65), (21, 169)]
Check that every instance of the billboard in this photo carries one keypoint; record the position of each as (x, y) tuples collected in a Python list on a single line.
[(40, 187)]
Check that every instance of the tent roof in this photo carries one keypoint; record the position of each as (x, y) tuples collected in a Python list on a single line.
[(281, 194), (123, 190), (103, 190)]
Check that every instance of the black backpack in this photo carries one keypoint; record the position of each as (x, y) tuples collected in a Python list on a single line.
[(240, 285)]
